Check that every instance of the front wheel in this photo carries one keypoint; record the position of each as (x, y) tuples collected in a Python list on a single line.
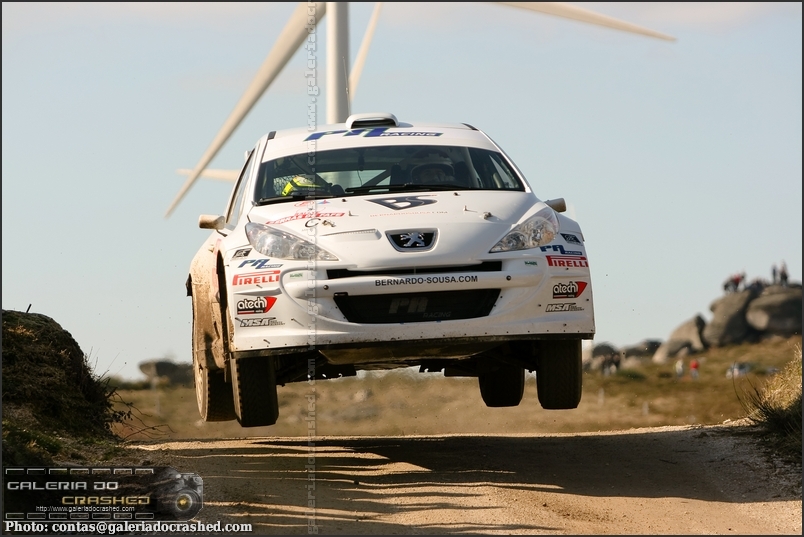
[(254, 390), (558, 374), (213, 394), (502, 386)]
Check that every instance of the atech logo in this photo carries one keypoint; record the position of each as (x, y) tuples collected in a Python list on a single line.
[(568, 290), (260, 304)]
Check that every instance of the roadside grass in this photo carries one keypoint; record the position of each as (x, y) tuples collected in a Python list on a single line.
[(776, 407), (404, 402)]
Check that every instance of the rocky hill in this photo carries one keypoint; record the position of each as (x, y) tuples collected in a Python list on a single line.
[(749, 315)]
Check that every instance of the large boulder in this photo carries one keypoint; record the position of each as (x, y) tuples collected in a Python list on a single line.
[(777, 311), (602, 353), (685, 339), (644, 349), (166, 372), (728, 325), (691, 331)]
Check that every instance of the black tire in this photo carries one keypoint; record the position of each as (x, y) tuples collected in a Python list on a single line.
[(254, 390), (213, 394), (502, 386), (558, 374)]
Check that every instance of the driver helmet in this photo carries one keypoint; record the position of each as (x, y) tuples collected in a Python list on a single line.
[(432, 172), (303, 185)]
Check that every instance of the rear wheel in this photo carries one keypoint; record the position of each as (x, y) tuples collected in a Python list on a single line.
[(213, 394), (558, 374), (254, 390), (502, 385)]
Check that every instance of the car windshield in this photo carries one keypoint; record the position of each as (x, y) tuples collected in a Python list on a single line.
[(366, 170)]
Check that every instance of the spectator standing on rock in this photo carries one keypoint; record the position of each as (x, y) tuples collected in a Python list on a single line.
[(694, 369), (679, 368), (774, 274), (783, 274)]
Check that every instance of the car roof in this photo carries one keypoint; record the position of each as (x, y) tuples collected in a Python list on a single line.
[(372, 130)]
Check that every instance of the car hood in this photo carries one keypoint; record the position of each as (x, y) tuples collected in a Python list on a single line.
[(459, 227)]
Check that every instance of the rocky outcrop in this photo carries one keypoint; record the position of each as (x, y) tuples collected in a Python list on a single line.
[(776, 311), (752, 314), (728, 325)]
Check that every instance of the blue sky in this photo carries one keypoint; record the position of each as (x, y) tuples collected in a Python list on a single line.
[(680, 160)]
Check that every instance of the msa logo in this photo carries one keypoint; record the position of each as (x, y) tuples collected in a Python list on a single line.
[(410, 305), (568, 290), (404, 202), (562, 307), (567, 261), (249, 306), (267, 321), (256, 278), (569, 237), (560, 249), (241, 253)]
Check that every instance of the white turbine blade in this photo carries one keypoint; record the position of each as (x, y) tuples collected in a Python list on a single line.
[(357, 68), (569, 11), (219, 175), (291, 38)]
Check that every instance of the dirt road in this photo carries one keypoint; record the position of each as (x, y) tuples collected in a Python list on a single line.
[(668, 480)]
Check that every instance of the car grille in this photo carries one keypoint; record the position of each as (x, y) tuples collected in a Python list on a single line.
[(417, 307), (485, 266)]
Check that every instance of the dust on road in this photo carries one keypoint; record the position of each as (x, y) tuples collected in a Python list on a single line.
[(667, 480)]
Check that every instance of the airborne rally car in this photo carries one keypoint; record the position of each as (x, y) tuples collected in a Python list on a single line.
[(378, 244)]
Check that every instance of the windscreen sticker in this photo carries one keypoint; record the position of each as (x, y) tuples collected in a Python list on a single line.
[(371, 133)]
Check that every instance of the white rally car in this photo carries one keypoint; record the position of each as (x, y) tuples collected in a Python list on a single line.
[(379, 244)]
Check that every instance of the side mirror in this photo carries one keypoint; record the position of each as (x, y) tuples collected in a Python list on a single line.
[(558, 205), (211, 221)]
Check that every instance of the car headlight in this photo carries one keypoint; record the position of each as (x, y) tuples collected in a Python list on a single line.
[(278, 244), (538, 230)]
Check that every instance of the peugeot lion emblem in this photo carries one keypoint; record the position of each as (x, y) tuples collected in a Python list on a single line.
[(410, 240)]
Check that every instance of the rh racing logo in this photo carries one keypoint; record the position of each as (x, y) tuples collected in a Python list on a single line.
[(260, 304), (568, 290)]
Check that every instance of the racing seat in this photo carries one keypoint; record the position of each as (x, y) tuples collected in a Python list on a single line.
[(398, 177), (462, 174)]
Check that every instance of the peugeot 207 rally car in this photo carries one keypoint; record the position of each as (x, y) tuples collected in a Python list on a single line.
[(379, 244)]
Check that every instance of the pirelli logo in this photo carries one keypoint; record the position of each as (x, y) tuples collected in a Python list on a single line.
[(254, 278), (567, 261)]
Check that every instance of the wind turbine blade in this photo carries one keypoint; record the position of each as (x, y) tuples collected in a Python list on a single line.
[(220, 175), (291, 38), (569, 11), (357, 68)]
